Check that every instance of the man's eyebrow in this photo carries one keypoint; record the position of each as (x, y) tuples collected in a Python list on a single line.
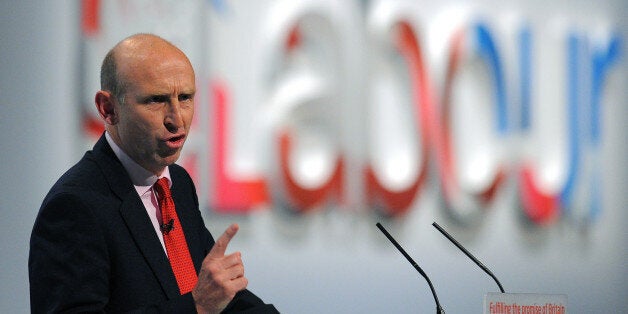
[(155, 96)]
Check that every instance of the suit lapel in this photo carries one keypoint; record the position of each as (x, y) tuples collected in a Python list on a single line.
[(134, 214)]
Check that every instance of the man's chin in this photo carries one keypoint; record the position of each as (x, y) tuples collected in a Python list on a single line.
[(168, 160)]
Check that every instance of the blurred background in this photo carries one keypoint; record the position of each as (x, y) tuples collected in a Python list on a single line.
[(503, 121)]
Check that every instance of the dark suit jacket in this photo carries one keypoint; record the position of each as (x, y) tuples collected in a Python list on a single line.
[(94, 249)]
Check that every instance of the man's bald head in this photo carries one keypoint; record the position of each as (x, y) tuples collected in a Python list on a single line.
[(129, 51)]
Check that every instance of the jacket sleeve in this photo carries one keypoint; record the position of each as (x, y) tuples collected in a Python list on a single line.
[(68, 260), (247, 302)]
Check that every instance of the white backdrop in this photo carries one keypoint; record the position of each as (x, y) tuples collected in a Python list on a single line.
[(333, 259)]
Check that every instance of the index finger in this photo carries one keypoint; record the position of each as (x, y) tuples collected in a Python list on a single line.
[(219, 248)]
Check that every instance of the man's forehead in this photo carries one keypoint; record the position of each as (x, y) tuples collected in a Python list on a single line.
[(154, 68), (150, 81)]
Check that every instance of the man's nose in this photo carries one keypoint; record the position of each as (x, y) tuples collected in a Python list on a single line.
[(173, 119)]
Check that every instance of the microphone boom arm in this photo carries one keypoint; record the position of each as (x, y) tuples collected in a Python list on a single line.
[(475, 260), (439, 309)]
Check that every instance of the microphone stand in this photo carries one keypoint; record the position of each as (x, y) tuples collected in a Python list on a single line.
[(439, 309), (473, 258)]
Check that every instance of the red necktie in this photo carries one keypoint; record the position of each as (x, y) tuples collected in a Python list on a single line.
[(176, 246)]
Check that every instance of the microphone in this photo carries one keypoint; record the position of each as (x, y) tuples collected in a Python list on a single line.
[(475, 260), (167, 227), (439, 309)]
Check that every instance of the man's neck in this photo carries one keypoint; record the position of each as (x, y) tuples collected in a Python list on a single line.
[(138, 174)]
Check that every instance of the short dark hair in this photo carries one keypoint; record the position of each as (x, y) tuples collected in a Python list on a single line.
[(109, 80)]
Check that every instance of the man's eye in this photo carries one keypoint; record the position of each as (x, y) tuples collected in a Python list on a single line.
[(155, 99), (186, 97)]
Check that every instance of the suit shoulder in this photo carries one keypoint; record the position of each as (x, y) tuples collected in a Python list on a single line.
[(178, 170), (83, 177), (179, 174)]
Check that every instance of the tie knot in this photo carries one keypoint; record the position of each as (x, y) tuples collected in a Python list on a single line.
[(162, 188)]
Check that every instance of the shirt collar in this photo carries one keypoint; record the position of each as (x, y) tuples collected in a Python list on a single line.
[(142, 179)]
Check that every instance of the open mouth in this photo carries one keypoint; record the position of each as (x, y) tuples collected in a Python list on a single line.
[(176, 141)]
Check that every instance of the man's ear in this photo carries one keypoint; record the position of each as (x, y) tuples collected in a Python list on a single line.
[(106, 106)]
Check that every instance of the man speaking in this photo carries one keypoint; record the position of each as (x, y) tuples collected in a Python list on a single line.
[(121, 230)]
